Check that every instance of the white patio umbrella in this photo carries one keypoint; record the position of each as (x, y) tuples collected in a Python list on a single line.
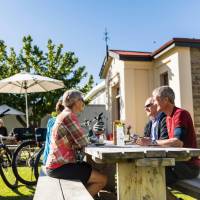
[(24, 83)]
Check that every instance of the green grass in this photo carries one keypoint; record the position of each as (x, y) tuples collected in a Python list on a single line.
[(21, 193), (183, 196)]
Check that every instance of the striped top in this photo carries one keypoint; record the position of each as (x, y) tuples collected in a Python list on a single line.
[(160, 129)]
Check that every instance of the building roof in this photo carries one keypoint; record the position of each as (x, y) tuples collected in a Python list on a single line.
[(130, 55), (95, 90), (184, 42), (148, 56)]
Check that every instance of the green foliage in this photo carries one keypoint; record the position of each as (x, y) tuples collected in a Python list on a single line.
[(54, 63)]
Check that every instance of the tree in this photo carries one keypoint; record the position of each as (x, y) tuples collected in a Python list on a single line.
[(54, 63)]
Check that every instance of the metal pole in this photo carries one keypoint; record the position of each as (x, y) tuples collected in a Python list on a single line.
[(27, 120)]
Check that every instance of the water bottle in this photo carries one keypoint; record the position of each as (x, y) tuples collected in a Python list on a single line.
[(120, 134)]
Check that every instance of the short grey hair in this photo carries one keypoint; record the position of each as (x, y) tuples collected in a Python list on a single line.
[(165, 91), (71, 96)]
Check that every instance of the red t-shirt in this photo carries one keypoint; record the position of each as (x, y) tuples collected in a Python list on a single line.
[(181, 119)]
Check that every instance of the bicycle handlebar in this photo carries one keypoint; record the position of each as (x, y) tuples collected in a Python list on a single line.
[(88, 123), (6, 137), (99, 117)]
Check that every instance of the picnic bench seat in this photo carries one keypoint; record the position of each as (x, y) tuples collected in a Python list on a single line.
[(59, 189), (190, 187)]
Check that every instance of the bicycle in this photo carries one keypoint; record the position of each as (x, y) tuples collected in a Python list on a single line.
[(94, 129), (25, 155), (6, 171), (39, 157)]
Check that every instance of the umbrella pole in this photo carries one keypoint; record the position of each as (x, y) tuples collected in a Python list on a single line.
[(27, 120)]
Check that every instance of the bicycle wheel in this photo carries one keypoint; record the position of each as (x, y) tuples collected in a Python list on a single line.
[(23, 162), (38, 163), (6, 167)]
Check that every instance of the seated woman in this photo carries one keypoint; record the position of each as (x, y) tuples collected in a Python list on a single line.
[(50, 123), (68, 137), (3, 129)]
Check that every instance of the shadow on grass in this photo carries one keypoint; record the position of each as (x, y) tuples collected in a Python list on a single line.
[(20, 195), (23, 197)]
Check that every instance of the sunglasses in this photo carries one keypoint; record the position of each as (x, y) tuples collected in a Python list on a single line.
[(148, 105)]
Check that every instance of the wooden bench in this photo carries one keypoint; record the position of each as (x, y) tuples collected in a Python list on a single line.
[(59, 189), (190, 187)]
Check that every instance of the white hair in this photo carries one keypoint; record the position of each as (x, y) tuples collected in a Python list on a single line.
[(71, 96), (165, 91)]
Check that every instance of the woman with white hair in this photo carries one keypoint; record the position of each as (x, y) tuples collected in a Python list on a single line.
[(68, 137)]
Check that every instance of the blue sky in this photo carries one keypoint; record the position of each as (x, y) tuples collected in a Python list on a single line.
[(80, 24)]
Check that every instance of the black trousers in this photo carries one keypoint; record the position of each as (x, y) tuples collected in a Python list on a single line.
[(78, 171), (182, 170)]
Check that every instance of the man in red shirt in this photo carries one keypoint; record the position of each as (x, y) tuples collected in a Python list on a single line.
[(181, 134)]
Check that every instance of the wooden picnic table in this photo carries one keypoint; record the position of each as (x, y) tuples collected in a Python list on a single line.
[(140, 170)]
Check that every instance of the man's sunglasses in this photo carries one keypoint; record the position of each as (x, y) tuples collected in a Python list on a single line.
[(148, 105)]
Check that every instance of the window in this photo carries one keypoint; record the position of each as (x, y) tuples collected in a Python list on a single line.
[(118, 104), (164, 79)]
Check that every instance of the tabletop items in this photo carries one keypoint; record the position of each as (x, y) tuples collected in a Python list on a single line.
[(122, 134)]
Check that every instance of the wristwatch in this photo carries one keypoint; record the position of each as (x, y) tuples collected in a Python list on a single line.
[(154, 142)]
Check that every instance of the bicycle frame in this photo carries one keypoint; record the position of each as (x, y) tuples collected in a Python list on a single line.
[(5, 166)]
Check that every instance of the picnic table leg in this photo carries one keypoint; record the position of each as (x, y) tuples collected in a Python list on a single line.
[(140, 183)]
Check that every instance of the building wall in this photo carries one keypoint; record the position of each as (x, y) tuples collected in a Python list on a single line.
[(195, 64), (11, 122), (185, 75), (99, 98), (178, 65), (138, 86), (115, 77)]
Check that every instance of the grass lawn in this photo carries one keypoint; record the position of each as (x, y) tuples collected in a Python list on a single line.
[(185, 197), (21, 193)]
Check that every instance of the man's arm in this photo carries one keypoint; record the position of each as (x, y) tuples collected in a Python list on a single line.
[(179, 134), (172, 142)]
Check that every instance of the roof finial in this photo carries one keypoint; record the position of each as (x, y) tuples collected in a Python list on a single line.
[(106, 38)]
